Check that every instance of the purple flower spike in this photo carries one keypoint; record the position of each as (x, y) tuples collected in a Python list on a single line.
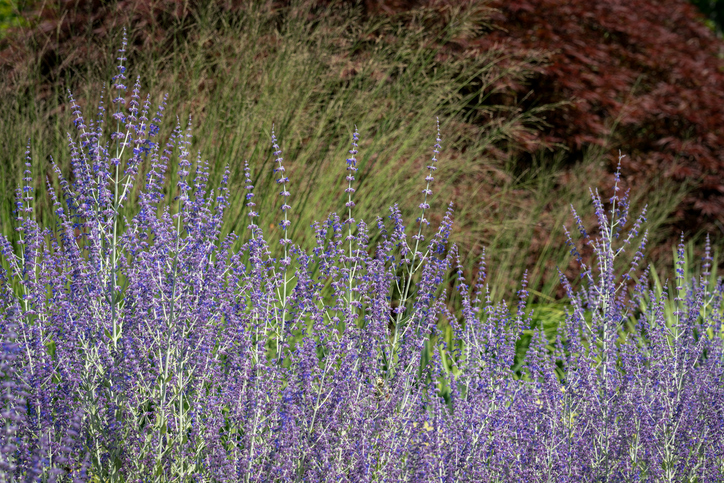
[(249, 198), (283, 180), (429, 179)]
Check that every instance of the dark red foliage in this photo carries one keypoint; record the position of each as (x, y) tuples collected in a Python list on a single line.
[(651, 65), (57, 43)]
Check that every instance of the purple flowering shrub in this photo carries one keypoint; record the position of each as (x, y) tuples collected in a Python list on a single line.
[(148, 350)]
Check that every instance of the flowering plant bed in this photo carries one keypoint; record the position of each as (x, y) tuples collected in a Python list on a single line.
[(148, 350)]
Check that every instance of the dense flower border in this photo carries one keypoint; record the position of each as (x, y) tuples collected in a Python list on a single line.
[(159, 354)]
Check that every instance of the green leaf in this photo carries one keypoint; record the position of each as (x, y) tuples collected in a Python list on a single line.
[(50, 347), (161, 424)]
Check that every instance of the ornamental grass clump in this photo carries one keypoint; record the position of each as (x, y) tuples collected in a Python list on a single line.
[(148, 350)]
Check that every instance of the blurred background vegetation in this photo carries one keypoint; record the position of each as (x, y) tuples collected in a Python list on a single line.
[(714, 12), (315, 70), (11, 15)]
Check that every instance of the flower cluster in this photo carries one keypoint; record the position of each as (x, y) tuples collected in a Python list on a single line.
[(158, 353)]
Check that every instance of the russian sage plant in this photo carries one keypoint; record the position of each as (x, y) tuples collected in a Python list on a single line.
[(148, 350)]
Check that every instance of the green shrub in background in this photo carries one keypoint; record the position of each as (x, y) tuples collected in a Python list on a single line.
[(10, 15), (714, 12)]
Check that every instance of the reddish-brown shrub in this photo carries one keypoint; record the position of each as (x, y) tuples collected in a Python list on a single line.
[(646, 77)]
